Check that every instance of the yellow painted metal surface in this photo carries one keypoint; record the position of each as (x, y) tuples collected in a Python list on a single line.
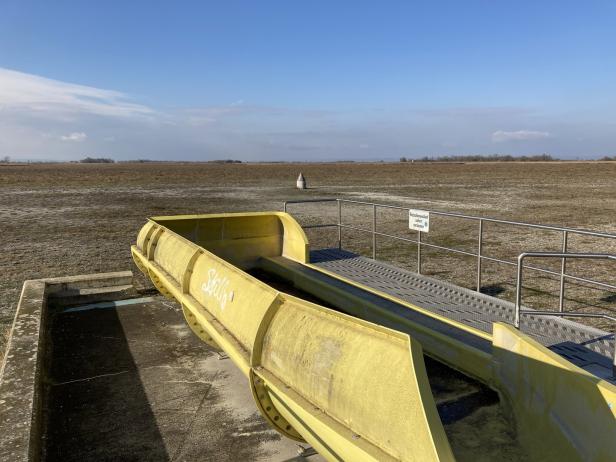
[(472, 330), (447, 349), (564, 412), (353, 388), (316, 374)]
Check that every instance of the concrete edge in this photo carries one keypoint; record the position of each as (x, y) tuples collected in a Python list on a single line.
[(68, 285), (21, 371)]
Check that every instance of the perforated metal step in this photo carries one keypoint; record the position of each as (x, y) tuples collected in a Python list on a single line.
[(586, 347)]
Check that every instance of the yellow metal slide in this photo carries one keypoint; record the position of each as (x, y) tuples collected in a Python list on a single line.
[(316, 374), (351, 381)]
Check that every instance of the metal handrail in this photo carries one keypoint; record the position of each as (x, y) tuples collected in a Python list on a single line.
[(475, 217), (518, 298), (478, 255), (518, 293)]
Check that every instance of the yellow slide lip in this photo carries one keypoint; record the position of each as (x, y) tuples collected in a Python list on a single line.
[(399, 301), (565, 412), (449, 350)]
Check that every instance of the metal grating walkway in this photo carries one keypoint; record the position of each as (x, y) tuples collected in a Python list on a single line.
[(589, 348)]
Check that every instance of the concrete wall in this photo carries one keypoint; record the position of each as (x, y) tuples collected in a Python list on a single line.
[(22, 370)]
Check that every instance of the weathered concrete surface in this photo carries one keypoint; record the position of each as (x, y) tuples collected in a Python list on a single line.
[(88, 288), (20, 378), (21, 372), (121, 380), (133, 383)]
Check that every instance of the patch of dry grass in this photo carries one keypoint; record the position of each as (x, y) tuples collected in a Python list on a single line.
[(63, 219), (4, 339)]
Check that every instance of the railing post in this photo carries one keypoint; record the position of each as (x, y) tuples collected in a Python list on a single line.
[(374, 231), (518, 292), (339, 224), (563, 267), (284, 207), (479, 246), (418, 252)]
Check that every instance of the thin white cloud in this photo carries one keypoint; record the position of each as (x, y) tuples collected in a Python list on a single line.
[(479, 111), (501, 136), (210, 114), (33, 94), (42, 118), (75, 136)]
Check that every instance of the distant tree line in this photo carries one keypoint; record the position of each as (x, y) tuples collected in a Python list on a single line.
[(479, 158), (608, 158), (97, 160), (145, 161), (5, 160)]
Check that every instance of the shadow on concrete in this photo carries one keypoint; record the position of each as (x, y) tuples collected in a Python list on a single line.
[(128, 380), (96, 406)]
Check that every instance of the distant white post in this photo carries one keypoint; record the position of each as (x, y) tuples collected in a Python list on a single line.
[(301, 182)]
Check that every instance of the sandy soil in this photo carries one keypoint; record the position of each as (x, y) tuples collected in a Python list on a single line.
[(62, 219)]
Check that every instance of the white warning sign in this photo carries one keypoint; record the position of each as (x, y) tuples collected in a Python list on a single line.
[(419, 220)]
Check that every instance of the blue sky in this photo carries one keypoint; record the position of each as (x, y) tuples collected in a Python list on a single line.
[(306, 80)]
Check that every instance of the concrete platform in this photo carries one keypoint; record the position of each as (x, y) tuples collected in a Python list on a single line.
[(123, 380)]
